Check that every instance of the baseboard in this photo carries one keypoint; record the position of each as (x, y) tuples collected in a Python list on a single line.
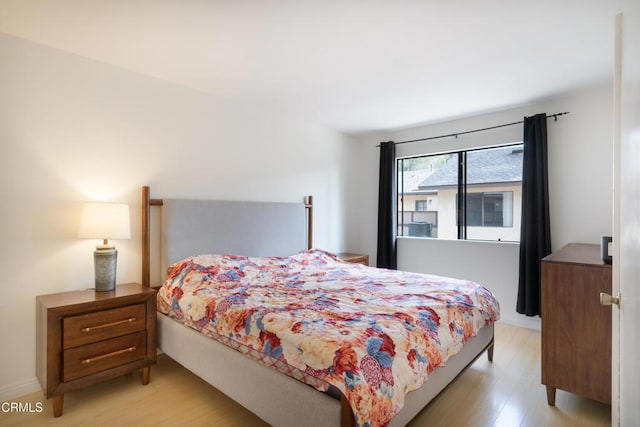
[(18, 389), (521, 321), (15, 390)]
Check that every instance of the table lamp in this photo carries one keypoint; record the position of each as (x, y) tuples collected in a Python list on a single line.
[(105, 221)]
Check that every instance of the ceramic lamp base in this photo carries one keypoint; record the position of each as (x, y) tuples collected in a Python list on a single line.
[(104, 262)]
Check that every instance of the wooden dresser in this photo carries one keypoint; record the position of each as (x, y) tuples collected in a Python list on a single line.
[(576, 329), (83, 337)]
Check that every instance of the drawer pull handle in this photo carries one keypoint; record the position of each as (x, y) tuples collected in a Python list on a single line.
[(108, 325), (104, 356)]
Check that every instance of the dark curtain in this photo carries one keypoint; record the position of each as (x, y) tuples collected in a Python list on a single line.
[(535, 234), (387, 207)]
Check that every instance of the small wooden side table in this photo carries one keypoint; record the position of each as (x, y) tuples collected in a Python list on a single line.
[(354, 258), (84, 337)]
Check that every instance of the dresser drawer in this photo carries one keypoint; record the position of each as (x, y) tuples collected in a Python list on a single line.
[(101, 325), (91, 358)]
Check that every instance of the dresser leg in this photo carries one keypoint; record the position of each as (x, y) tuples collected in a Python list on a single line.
[(551, 396), (146, 374), (490, 353), (58, 402)]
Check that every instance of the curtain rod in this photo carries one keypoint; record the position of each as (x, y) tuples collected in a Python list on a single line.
[(555, 118)]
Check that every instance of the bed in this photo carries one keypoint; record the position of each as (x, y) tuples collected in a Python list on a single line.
[(320, 392)]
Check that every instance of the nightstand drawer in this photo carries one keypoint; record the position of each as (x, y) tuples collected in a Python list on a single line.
[(101, 325), (91, 358)]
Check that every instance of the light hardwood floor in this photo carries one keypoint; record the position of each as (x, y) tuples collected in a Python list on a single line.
[(506, 393)]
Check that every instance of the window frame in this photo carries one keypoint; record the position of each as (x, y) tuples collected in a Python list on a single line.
[(461, 194)]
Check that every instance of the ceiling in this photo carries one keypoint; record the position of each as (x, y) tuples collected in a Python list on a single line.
[(352, 65)]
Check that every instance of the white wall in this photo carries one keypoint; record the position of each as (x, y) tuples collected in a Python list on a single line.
[(491, 263), (72, 130), (580, 180)]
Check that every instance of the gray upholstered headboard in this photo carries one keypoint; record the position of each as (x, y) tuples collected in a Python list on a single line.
[(196, 227)]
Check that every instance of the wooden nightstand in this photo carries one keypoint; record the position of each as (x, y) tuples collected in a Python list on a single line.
[(84, 337), (354, 258)]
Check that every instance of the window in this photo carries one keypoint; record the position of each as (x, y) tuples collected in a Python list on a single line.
[(421, 205), (490, 209), (473, 194)]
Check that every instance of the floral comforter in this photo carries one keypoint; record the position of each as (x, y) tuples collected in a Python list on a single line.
[(374, 334)]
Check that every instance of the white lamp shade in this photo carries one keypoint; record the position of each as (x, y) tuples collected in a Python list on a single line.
[(104, 221)]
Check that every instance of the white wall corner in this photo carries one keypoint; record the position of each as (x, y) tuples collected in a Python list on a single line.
[(18, 389)]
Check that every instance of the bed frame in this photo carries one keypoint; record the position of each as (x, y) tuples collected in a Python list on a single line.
[(278, 399)]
